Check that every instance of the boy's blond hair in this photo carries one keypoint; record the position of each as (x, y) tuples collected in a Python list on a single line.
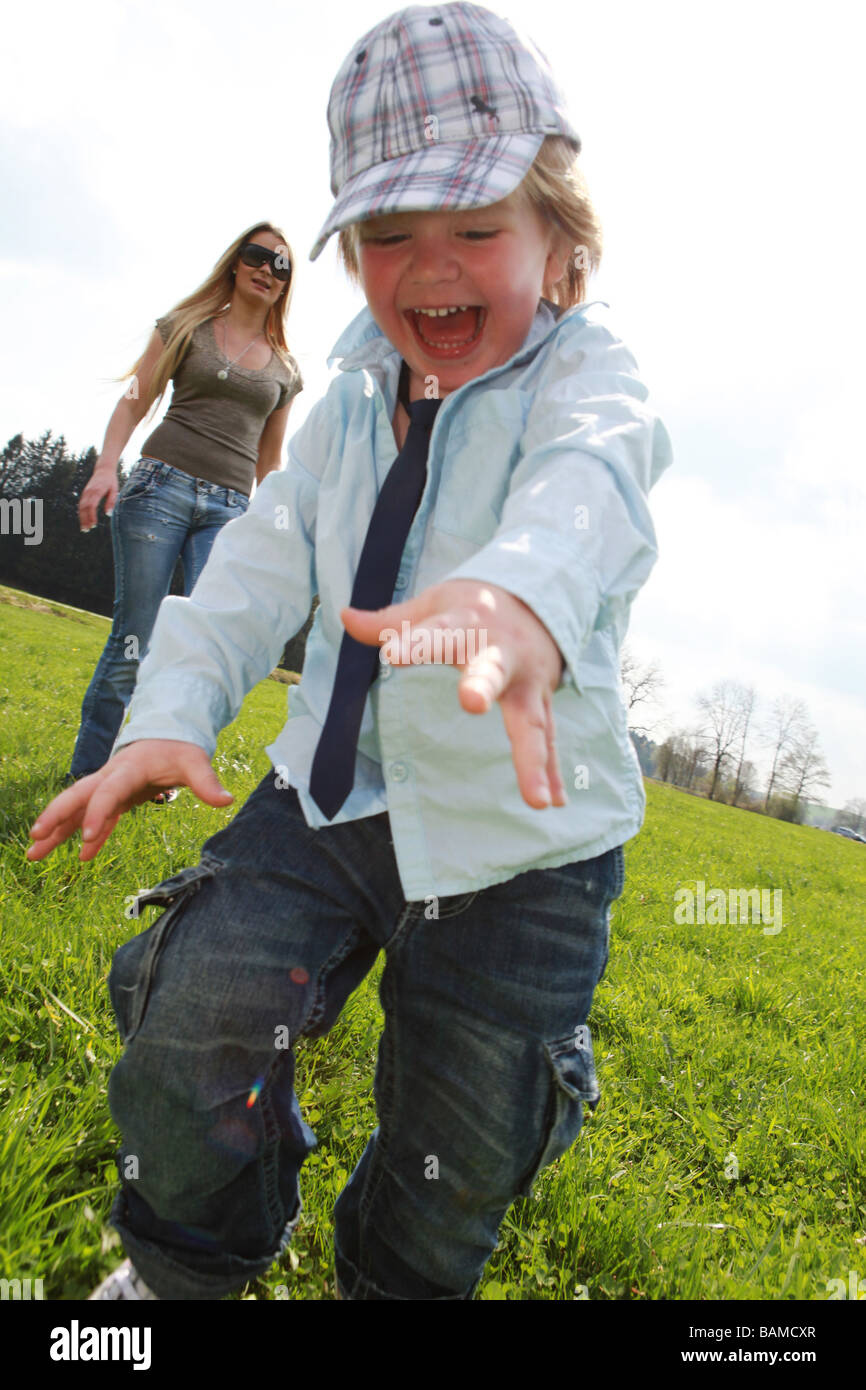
[(556, 188)]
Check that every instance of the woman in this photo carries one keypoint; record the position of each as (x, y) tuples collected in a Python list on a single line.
[(224, 348)]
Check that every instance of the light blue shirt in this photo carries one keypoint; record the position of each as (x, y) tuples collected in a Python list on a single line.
[(537, 481)]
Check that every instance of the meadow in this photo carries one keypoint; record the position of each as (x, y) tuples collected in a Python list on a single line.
[(724, 1161)]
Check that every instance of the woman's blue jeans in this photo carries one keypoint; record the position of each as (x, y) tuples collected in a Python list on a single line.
[(162, 515), (484, 1065)]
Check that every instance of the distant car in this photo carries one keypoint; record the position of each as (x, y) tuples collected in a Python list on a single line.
[(849, 834)]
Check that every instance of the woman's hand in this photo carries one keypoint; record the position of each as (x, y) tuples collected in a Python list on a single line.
[(515, 661), (103, 484), (134, 775), (126, 417)]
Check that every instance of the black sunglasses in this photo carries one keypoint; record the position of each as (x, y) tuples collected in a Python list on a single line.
[(256, 256)]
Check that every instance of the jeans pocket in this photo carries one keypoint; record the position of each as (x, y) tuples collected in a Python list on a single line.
[(141, 481), (453, 906), (134, 965), (573, 1084)]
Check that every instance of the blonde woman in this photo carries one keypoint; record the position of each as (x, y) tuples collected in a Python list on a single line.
[(224, 348)]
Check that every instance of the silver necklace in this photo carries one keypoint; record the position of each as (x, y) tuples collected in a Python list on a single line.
[(222, 374)]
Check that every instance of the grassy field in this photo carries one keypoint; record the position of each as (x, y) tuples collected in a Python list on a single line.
[(725, 1160)]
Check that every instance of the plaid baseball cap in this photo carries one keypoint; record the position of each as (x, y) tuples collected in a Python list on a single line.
[(438, 107)]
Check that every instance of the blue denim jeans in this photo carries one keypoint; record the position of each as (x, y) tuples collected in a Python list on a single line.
[(484, 1064), (161, 515)]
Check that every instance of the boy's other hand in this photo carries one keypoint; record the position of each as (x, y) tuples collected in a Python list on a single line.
[(520, 666), (134, 775)]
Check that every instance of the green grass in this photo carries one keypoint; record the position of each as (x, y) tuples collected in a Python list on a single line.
[(710, 1041)]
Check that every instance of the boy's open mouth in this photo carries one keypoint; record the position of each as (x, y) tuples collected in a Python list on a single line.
[(449, 331)]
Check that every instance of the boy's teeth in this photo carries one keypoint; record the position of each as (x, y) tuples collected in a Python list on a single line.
[(467, 324)]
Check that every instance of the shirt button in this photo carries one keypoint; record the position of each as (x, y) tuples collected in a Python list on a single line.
[(385, 672), (399, 772), (402, 581)]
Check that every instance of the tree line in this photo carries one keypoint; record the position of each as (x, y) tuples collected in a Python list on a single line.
[(66, 565), (712, 756)]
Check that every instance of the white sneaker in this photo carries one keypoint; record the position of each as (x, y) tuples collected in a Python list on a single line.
[(124, 1282)]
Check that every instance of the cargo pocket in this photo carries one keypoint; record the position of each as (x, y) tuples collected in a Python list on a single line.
[(573, 1083), (134, 964)]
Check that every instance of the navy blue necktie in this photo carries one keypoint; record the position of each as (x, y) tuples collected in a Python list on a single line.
[(332, 774)]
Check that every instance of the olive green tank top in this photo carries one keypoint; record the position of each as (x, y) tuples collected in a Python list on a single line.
[(212, 427)]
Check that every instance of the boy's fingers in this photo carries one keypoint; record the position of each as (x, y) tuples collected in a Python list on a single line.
[(445, 636), (125, 787), (528, 729), (108, 803), (90, 848), (43, 846), (485, 678), (554, 775), (367, 625), (96, 803), (204, 783), (63, 811), (62, 817)]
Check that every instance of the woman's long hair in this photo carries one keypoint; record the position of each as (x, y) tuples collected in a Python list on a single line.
[(206, 302)]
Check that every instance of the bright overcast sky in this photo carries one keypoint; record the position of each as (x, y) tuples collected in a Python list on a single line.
[(723, 147)]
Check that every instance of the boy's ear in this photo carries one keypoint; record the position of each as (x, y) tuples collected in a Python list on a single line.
[(557, 259)]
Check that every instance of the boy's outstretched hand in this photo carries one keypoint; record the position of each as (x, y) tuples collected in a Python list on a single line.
[(132, 776), (520, 667)]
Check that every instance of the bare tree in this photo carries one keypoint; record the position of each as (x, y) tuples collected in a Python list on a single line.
[(787, 719), (853, 814), (747, 699), (741, 785), (681, 759), (642, 683), (694, 760), (665, 760), (723, 710), (803, 769)]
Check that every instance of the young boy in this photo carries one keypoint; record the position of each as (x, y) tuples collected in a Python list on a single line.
[(500, 568)]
